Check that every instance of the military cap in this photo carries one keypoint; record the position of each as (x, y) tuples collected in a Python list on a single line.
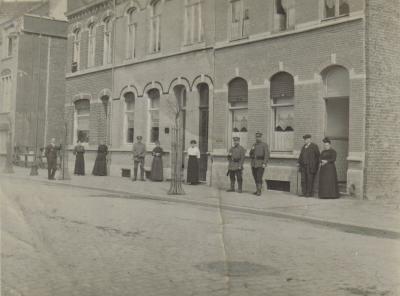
[(236, 138), (258, 133), (307, 136), (139, 137)]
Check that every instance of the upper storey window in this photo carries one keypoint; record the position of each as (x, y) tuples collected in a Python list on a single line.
[(91, 44), (107, 54), (284, 17), (193, 22), (239, 20), (76, 51), (335, 8), (131, 33), (155, 26)]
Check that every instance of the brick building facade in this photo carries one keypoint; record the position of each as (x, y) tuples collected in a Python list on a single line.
[(285, 68), (32, 79)]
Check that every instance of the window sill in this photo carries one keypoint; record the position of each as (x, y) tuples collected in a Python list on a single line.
[(233, 39), (334, 18), (7, 58)]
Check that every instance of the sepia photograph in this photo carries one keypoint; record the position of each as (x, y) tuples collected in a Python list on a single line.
[(200, 147)]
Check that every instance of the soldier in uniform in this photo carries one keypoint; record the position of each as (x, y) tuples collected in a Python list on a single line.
[(259, 155), (236, 157), (139, 152)]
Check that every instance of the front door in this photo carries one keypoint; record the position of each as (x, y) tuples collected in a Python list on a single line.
[(203, 142), (337, 129)]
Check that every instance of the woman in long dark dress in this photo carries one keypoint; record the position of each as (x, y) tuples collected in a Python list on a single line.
[(79, 152), (328, 181), (100, 165), (193, 164), (157, 164)]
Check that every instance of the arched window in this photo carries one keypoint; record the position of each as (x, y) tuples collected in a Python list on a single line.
[(107, 53), (131, 33), (155, 26), (336, 82), (82, 120), (238, 107), (91, 44), (154, 115), (193, 28), (129, 117), (282, 103), (76, 52), (335, 8)]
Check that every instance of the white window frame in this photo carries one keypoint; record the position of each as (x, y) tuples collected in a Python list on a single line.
[(126, 121), (193, 15), (76, 48), (131, 33), (91, 44), (232, 109), (241, 27), (155, 27), (337, 9), (289, 134), (150, 109), (76, 117), (107, 46)]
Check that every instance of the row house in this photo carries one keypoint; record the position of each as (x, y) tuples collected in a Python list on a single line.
[(283, 67), (32, 75)]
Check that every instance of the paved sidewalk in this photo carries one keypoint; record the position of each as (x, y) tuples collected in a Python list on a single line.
[(381, 215)]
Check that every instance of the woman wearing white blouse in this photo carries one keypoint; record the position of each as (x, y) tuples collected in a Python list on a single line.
[(193, 163)]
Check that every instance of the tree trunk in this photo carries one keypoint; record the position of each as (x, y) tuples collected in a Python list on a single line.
[(176, 159)]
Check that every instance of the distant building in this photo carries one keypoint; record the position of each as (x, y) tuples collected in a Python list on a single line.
[(286, 68), (32, 77)]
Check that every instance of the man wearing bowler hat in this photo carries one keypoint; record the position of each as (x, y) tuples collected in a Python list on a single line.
[(139, 152), (308, 163), (236, 157), (259, 155)]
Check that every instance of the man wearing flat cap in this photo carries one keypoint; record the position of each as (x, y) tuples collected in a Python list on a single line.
[(139, 152), (308, 163), (236, 157), (259, 155)]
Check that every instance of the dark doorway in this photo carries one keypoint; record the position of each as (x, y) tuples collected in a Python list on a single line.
[(203, 128)]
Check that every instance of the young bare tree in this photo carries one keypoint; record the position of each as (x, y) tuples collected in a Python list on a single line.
[(177, 140)]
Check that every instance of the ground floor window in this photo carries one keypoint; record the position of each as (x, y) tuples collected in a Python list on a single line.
[(82, 120), (239, 119), (154, 115), (3, 141), (129, 118)]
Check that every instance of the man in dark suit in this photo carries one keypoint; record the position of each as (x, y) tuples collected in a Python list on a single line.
[(308, 163), (51, 153), (259, 155)]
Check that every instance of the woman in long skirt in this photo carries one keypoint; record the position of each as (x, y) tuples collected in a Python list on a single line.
[(79, 152), (100, 165), (328, 181), (157, 164), (193, 163)]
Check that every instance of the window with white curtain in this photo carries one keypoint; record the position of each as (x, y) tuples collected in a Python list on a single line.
[(282, 104), (82, 120), (91, 44), (193, 28), (335, 8), (238, 110), (155, 26), (131, 33), (239, 20)]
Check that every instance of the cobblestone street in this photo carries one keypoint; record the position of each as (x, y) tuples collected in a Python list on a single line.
[(64, 240)]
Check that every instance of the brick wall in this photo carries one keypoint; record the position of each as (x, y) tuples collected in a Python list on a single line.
[(382, 172)]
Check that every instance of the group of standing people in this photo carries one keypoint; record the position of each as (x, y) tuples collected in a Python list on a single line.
[(311, 162)]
